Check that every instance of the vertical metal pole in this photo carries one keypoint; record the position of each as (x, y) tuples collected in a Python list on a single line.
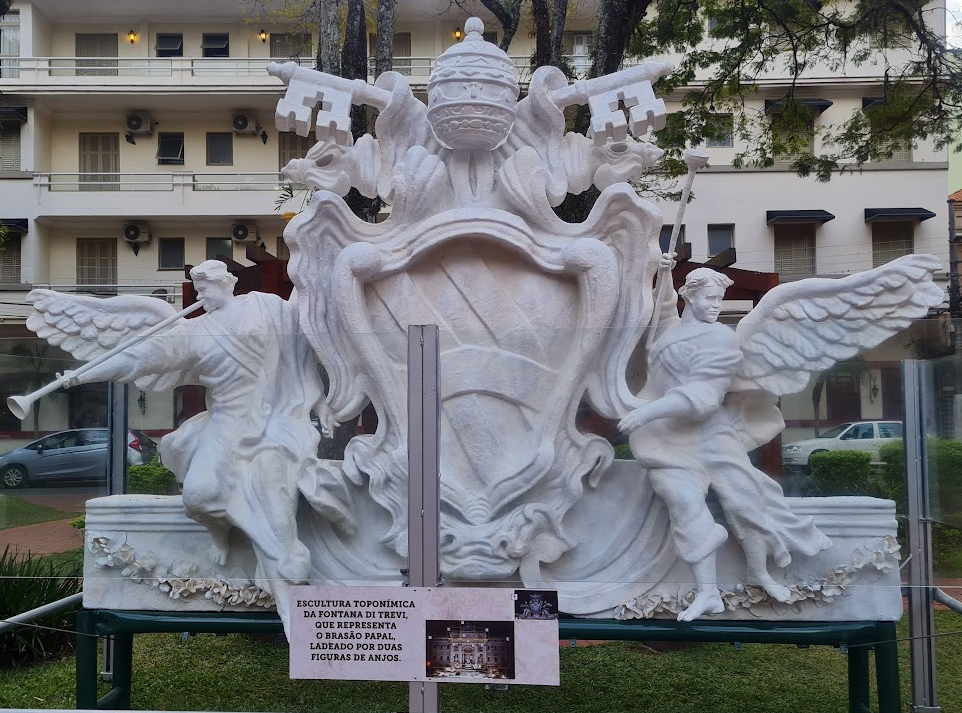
[(424, 429), (116, 476), (919, 531)]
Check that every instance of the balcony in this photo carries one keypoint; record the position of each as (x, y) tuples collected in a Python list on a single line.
[(187, 193), (82, 73)]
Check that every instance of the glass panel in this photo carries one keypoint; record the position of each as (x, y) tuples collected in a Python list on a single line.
[(219, 246), (170, 45), (171, 253), (720, 238), (215, 45), (170, 149), (220, 149)]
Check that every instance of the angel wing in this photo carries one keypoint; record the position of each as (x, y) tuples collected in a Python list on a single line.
[(804, 327), (86, 327)]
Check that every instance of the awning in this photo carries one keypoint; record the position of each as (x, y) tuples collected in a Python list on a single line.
[(816, 105), (798, 216), (169, 43), (16, 114), (17, 224), (878, 214)]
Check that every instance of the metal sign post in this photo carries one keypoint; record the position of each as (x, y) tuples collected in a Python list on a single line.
[(919, 530), (424, 429)]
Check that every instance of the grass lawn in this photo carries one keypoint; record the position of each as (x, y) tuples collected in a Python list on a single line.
[(15, 512), (241, 673)]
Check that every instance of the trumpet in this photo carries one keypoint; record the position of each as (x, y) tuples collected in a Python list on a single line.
[(20, 406)]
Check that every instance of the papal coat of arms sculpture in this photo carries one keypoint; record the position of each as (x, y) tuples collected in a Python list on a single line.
[(535, 314)]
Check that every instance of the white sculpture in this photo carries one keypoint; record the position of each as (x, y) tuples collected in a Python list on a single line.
[(535, 313), (705, 397), (246, 461)]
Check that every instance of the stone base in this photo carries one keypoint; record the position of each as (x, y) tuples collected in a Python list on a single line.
[(142, 552)]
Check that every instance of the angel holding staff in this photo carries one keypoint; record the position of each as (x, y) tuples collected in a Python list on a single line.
[(710, 398), (245, 462)]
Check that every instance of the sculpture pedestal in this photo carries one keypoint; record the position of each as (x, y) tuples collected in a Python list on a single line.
[(142, 552)]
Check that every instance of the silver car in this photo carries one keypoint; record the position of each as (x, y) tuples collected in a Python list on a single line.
[(78, 454)]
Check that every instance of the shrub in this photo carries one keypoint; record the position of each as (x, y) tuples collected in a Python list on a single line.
[(27, 582), (151, 479), (623, 452), (842, 473)]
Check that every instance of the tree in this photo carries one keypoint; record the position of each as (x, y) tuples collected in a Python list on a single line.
[(39, 367), (725, 46)]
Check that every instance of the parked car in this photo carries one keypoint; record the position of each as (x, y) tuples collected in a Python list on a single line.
[(77, 454), (864, 436)]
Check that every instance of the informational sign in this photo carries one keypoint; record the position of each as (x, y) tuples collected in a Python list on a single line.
[(444, 634)]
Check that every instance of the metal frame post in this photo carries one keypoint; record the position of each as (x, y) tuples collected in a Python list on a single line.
[(116, 476), (424, 429), (915, 374)]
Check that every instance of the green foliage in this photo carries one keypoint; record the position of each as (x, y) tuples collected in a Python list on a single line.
[(842, 473), (152, 479), (27, 582), (623, 452), (79, 523)]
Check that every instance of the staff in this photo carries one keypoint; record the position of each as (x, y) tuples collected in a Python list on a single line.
[(695, 160), (20, 405)]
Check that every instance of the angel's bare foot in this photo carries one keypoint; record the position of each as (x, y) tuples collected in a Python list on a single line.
[(705, 603), (218, 553), (778, 592)]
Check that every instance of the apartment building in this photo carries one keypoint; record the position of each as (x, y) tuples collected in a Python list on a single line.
[(137, 138)]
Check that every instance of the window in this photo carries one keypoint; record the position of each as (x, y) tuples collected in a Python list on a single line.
[(10, 45), (219, 246), (171, 254), (891, 33), (169, 44), (100, 45), (720, 131), (664, 238), (793, 136), (10, 260), (582, 47), (892, 239), (401, 52), (795, 249), (215, 44), (291, 146), (720, 238), (170, 149), (10, 148), (883, 123), (843, 400), (220, 149), (97, 264), (290, 46), (282, 253), (99, 162), (889, 429), (491, 37)]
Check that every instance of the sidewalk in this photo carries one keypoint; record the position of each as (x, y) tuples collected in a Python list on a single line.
[(47, 538)]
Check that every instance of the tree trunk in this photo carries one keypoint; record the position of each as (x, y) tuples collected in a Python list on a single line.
[(384, 46), (328, 37), (542, 34), (508, 15), (559, 14), (817, 389)]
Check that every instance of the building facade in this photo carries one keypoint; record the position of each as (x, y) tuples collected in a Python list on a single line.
[(134, 144)]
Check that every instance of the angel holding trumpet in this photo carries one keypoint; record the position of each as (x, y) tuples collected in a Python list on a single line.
[(245, 462), (710, 398)]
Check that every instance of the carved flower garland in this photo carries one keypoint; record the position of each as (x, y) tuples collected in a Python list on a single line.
[(179, 579), (883, 559)]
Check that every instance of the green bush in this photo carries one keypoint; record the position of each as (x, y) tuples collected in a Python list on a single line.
[(842, 473), (27, 582), (623, 452), (151, 479)]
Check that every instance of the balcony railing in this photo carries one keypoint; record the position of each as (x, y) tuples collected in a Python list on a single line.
[(252, 181), (171, 292), (44, 70)]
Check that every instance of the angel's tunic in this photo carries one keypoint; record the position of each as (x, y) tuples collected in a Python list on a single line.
[(701, 445), (255, 441)]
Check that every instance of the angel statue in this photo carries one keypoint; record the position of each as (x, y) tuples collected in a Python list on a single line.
[(710, 398), (245, 462)]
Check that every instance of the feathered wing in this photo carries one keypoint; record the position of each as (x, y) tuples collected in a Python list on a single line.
[(86, 327), (802, 328)]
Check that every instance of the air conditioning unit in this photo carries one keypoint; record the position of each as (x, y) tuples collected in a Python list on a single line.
[(137, 233), (244, 123), (244, 233), (138, 122)]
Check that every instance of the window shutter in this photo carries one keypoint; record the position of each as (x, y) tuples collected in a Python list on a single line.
[(10, 149)]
